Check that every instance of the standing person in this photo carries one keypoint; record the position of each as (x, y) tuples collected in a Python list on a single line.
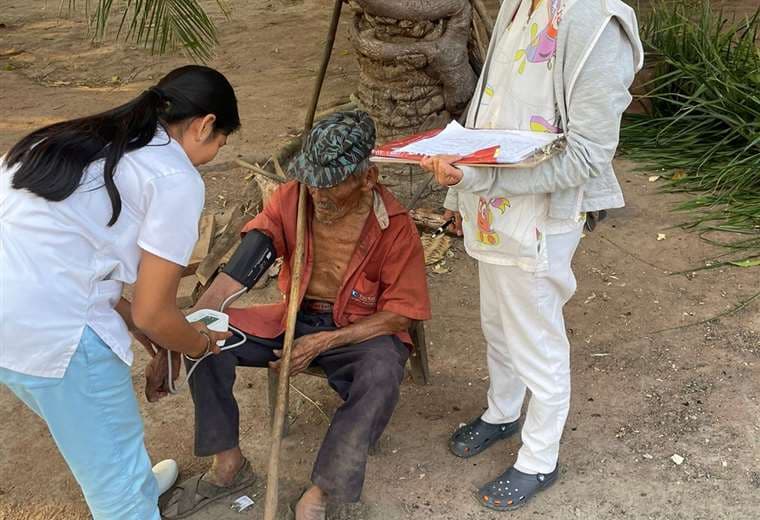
[(87, 206), (552, 66)]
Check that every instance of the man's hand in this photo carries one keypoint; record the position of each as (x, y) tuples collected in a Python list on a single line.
[(305, 349), (441, 167)]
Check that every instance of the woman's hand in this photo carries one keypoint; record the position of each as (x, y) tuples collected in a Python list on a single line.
[(209, 342), (441, 167), (157, 370), (457, 220), (157, 374)]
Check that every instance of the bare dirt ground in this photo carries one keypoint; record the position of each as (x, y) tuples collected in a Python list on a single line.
[(641, 393)]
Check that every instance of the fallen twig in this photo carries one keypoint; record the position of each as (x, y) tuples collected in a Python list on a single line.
[(309, 399), (260, 171), (634, 255), (739, 306)]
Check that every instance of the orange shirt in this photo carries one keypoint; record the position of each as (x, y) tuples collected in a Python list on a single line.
[(386, 271)]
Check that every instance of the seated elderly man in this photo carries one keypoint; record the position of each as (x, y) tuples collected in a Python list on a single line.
[(364, 280)]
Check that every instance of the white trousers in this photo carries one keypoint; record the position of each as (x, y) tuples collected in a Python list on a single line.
[(521, 316)]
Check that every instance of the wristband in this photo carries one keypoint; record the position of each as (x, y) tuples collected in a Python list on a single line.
[(205, 351)]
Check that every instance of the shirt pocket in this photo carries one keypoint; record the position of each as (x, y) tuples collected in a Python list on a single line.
[(362, 301)]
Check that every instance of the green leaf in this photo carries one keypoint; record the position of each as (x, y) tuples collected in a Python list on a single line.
[(704, 118), (161, 25), (746, 263)]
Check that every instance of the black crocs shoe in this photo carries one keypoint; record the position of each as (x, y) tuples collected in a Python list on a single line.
[(514, 488), (477, 435)]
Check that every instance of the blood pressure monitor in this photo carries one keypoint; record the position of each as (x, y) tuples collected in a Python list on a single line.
[(214, 320)]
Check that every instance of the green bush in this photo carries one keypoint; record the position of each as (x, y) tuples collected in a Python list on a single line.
[(703, 125)]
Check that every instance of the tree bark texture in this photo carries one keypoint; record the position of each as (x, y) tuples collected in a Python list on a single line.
[(415, 71)]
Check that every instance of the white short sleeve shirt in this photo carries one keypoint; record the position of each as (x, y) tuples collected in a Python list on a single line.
[(63, 268)]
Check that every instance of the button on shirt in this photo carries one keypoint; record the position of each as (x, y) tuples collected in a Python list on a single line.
[(62, 268)]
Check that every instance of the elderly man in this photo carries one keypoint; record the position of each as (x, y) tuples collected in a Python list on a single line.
[(363, 281)]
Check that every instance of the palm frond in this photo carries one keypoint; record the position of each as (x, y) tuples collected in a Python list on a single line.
[(160, 25)]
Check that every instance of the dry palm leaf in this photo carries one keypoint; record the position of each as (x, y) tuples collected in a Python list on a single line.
[(435, 248)]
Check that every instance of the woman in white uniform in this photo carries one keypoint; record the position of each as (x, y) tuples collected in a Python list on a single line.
[(87, 206), (561, 66)]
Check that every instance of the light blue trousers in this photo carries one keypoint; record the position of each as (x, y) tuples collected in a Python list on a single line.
[(93, 417)]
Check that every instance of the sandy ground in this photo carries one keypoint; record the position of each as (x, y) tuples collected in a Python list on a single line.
[(641, 393)]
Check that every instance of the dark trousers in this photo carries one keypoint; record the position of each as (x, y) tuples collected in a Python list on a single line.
[(366, 375)]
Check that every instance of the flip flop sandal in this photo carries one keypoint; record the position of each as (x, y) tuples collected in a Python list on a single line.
[(514, 488), (477, 435), (195, 493)]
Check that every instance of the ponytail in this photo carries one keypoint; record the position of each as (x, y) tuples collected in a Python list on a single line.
[(53, 159)]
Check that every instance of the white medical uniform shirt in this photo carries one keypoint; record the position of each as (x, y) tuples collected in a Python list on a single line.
[(62, 268)]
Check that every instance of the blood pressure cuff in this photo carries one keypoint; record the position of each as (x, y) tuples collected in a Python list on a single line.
[(253, 257)]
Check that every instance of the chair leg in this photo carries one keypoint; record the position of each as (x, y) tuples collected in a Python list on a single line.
[(418, 359), (273, 380)]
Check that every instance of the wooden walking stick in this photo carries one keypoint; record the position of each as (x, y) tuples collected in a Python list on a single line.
[(270, 504)]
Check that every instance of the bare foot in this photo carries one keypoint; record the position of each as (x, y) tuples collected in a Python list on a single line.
[(224, 467), (313, 505)]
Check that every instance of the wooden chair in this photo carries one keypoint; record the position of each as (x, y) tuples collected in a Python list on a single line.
[(418, 367)]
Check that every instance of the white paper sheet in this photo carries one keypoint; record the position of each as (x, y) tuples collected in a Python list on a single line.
[(514, 146)]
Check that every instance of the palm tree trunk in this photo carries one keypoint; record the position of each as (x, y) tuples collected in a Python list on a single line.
[(414, 61)]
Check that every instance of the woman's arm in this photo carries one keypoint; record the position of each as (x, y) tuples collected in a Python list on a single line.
[(124, 308), (154, 309)]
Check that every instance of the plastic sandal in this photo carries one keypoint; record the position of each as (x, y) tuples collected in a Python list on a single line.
[(514, 488), (477, 435)]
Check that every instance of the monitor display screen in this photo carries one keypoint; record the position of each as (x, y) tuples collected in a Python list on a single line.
[(208, 320)]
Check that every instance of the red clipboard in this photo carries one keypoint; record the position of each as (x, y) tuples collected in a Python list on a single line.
[(388, 153)]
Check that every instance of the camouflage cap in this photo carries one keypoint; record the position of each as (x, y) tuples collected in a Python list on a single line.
[(338, 146)]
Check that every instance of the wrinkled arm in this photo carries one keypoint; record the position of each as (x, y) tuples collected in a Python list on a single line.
[(382, 323), (402, 299), (268, 222), (306, 348), (221, 288), (595, 108)]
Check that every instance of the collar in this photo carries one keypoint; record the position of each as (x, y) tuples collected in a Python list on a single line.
[(381, 212)]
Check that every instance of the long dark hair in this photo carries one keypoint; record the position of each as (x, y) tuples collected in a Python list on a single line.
[(53, 159)]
